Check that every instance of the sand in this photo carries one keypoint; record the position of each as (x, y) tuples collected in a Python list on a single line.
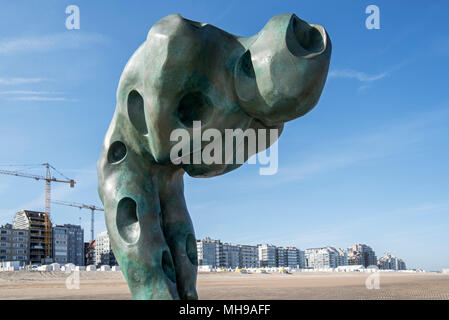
[(296, 286)]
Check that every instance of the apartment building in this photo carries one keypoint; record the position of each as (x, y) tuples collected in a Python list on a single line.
[(294, 258), (267, 255), (326, 257), (103, 250), (248, 256), (318, 258), (60, 239), (281, 257), (214, 253), (361, 254), (340, 256), (75, 244), (208, 252), (14, 244), (229, 255), (40, 244), (390, 262), (302, 259)]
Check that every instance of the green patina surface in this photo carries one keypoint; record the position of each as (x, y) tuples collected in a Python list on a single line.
[(187, 71)]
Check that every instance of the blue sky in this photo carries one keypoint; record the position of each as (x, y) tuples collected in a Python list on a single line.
[(369, 164)]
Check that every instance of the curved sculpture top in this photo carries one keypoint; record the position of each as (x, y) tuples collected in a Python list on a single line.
[(189, 71)]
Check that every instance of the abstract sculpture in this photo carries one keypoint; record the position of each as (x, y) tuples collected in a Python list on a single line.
[(188, 71)]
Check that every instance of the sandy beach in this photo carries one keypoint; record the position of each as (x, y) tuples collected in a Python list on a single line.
[(295, 286)]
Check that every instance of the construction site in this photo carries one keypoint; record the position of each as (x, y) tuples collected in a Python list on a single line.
[(33, 240)]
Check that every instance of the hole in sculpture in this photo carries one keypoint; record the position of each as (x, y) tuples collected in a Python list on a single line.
[(127, 223), (245, 78), (246, 65), (194, 106), (167, 266), (308, 37), (191, 249), (117, 152), (136, 112)]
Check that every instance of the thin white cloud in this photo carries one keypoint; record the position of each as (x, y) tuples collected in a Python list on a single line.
[(28, 92), (65, 40), (224, 12), (39, 98), (15, 81), (360, 76), (364, 77), (29, 95)]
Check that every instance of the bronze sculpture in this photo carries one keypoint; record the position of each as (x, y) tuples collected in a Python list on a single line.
[(188, 71)]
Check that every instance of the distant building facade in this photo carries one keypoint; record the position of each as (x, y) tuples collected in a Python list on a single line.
[(248, 256), (361, 254), (302, 259), (289, 257), (68, 244), (14, 244), (208, 251), (281, 257), (229, 255), (75, 244), (390, 262), (103, 250), (326, 257), (340, 256), (319, 258), (216, 254), (34, 222), (267, 255), (60, 239), (89, 253)]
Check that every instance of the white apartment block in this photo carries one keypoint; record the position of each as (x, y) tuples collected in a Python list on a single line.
[(103, 250), (215, 254), (319, 258), (326, 257), (390, 262), (267, 255)]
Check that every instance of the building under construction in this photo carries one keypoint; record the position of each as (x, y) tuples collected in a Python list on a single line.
[(39, 227)]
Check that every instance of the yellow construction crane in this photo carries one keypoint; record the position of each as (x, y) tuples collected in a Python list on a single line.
[(91, 207), (48, 180)]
